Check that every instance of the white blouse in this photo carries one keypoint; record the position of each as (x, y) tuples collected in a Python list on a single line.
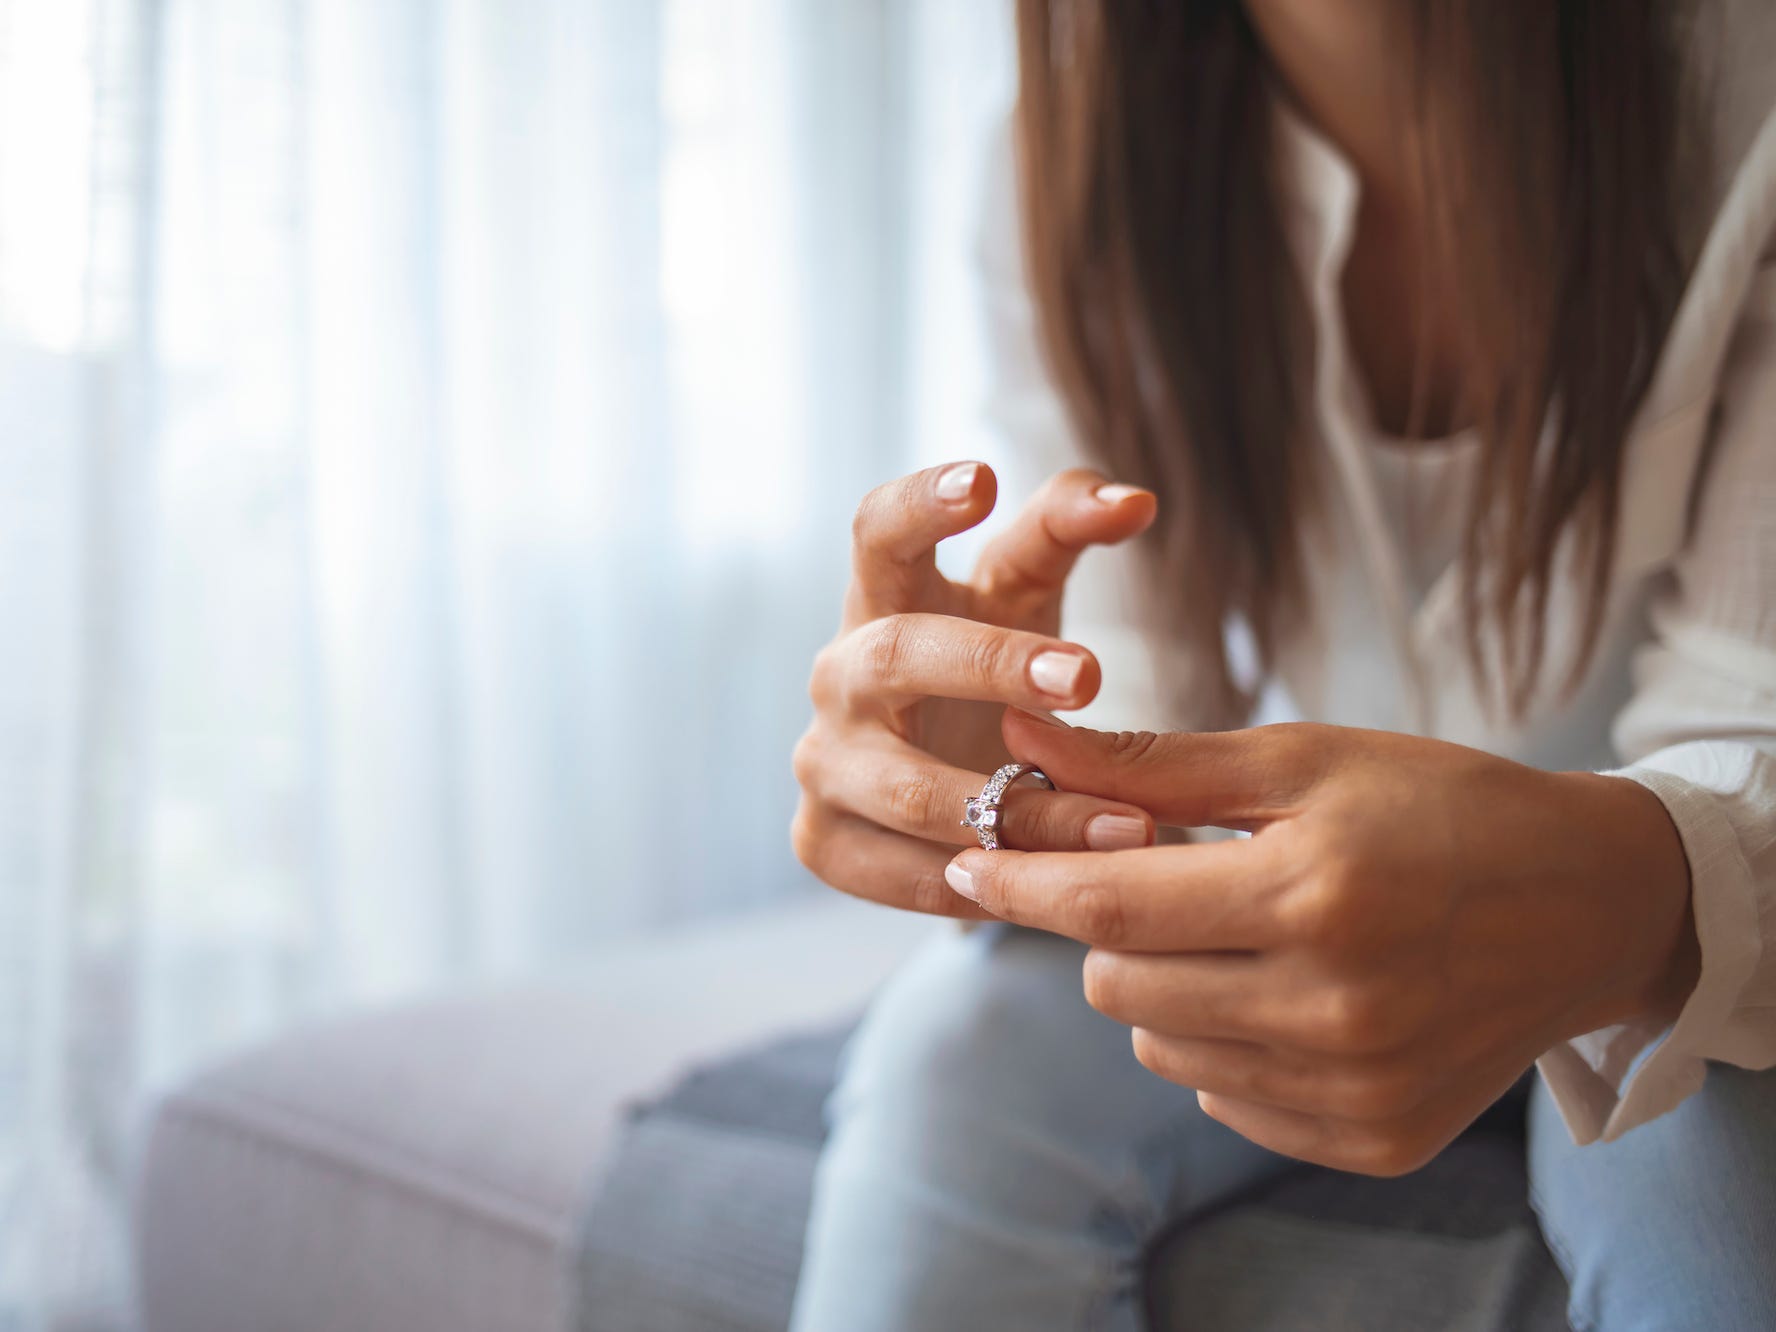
[(1681, 694)]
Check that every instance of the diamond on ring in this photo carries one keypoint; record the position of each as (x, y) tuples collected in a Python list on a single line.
[(982, 811)]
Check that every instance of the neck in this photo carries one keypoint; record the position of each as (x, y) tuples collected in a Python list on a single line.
[(1341, 61)]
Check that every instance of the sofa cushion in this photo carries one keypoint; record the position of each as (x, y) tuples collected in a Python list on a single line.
[(697, 1224), (421, 1168)]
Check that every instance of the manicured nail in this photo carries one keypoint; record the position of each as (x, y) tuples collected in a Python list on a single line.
[(960, 880), (1056, 672), (956, 482), (1116, 492), (1115, 832), (1042, 718)]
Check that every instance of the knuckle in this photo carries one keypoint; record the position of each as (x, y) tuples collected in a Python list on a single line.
[(825, 675), (1299, 752), (804, 760), (1096, 910), (1042, 826), (1216, 1108), (1062, 488), (1336, 861), (806, 839), (1304, 909), (1071, 479), (866, 522), (1151, 1052), (912, 798), (887, 643), (1325, 913), (1327, 905), (1104, 979), (985, 656), (926, 892), (1132, 746), (1352, 1019)]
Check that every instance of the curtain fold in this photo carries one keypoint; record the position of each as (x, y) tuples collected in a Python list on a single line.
[(429, 431)]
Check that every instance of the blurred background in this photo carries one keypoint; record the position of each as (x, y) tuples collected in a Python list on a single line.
[(429, 431)]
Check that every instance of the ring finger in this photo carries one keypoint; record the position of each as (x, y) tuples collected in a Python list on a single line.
[(864, 860), (903, 788)]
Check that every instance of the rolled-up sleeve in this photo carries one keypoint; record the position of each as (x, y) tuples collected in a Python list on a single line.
[(1700, 732)]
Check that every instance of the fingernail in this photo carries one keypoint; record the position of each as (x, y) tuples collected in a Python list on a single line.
[(1116, 492), (1115, 832), (960, 880), (956, 482), (1043, 718), (1056, 672)]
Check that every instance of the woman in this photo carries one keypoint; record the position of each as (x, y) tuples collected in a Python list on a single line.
[(1432, 348)]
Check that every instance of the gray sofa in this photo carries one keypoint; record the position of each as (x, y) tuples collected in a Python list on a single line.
[(630, 1151)]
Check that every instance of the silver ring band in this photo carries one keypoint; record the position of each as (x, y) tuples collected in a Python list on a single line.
[(982, 811)]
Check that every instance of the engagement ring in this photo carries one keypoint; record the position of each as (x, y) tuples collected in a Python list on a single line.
[(982, 811)]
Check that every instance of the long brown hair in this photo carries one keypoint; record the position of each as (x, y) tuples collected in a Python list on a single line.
[(1170, 315)]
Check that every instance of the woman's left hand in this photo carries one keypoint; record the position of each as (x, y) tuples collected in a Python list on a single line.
[(1410, 926)]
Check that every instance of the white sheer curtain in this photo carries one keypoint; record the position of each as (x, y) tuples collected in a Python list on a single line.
[(428, 436)]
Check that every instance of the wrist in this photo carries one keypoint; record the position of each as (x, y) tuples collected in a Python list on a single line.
[(1645, 876)]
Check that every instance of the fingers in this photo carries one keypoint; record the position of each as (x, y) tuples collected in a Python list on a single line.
[(1229, 779), (904, 789), (898, 525), (1267, 998), (1368, 1146), (1159, 899), (1073, 510), (1217, 997), (1381, 1090), (866, 861), (1363, 1149), (900, 658), (895, 533)]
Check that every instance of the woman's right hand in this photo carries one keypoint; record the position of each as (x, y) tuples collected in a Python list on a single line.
[(908, 697)]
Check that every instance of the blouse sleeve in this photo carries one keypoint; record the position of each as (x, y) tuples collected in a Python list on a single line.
[(1034, 437), (1700, 733)]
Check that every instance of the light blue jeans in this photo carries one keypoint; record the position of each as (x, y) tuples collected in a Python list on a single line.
[(998, 1160)]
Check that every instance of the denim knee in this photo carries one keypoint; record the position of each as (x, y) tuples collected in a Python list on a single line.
[(980, 1030), (1672, 1225)]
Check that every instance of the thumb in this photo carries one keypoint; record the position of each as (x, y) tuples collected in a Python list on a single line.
[(1188, 779)]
